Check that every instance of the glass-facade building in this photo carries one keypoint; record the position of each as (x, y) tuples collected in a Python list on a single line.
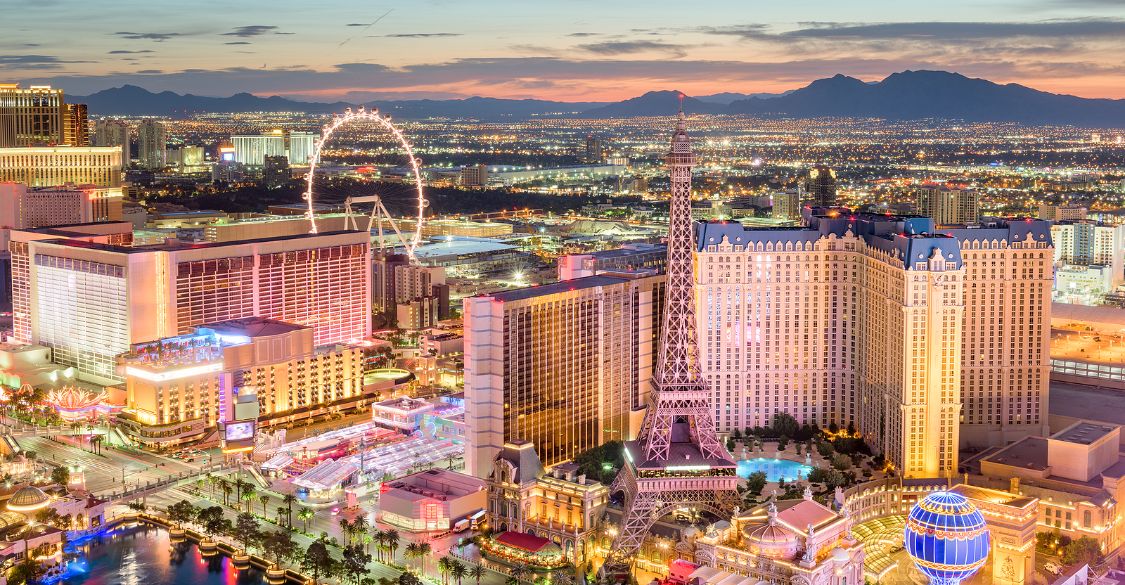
[(90, 301)]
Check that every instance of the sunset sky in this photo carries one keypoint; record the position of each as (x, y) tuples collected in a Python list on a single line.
[(588, 50)]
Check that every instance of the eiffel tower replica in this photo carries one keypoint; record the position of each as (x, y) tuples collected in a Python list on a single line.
[(677, 460)]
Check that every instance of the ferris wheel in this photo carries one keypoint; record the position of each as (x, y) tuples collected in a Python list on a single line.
[(406, 230)]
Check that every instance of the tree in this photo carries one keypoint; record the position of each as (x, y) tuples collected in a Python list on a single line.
[(756, 482), (355, 562), (289, 500), (181, 512), (345, 528), (841, 461), (785, 425), (1082, 551), (831, 478), (457, 570), (281, 514), (392, 542), (212, 520), (412, 552), (60, 475), (443, 569), (264, 499), (424, 550), (782, 442), (362, 529), (248, 495), (475, 573), (246, 530), (305, 515), (239, 485), (317, 561), (48, 516), (409, 578), (279, 545), (25, 572), (227, 488)]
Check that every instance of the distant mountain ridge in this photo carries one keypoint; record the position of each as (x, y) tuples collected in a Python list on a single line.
[(908, 95), (912, 95)]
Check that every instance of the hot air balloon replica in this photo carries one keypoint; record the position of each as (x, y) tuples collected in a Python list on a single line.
[(947, 538)]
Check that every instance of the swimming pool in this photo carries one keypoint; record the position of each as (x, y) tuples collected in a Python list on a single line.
[(776, 469)]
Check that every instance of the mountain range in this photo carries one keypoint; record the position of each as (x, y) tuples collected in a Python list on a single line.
[(909, 95)]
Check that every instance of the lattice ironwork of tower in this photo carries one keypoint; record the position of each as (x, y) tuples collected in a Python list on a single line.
[(677, 460)]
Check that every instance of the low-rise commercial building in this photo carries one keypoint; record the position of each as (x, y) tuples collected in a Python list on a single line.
[(180, 388), (1078, 476), (435, 499)]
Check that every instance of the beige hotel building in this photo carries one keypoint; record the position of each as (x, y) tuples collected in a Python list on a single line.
[(179, 387), (925, 341)]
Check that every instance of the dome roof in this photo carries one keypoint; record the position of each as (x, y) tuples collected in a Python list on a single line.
[(947, 537), (767, 534), (28, 499)]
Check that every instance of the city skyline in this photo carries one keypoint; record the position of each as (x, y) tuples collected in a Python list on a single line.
[(578, 51)]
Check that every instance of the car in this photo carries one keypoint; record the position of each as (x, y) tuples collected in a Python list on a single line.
[(336, 511), (1052, 568)]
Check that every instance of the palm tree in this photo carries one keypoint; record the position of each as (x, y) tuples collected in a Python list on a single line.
[(457, 570), (248, 494), (476, 572), (362, 527), (239, 485), (305, 515), (518, 572), (265, 500), (392, 542), (345, 529), (280, 514), (227, 489), (380, 539), (289, 500), (412, 551), (443, 569), (424, 550)]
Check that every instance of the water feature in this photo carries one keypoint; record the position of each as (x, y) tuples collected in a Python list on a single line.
[(144, 555), (775, 469)]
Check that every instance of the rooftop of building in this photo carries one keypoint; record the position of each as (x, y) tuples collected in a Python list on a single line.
[(1083, 433), (631, 250), (437, 484), (174, 245), (253, 327), (907, 238), (459, 246), (405, 404), (983, 494), (1032, 453), (1027, 453), (1087, 402), (576, 284)]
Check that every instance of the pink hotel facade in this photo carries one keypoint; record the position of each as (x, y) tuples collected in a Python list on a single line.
[(90, 301)]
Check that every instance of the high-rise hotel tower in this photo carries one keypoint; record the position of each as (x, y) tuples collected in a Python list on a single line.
[(925, 340), (90, 300)]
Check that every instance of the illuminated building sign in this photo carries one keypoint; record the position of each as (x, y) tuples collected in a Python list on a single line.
[(240, 431)]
